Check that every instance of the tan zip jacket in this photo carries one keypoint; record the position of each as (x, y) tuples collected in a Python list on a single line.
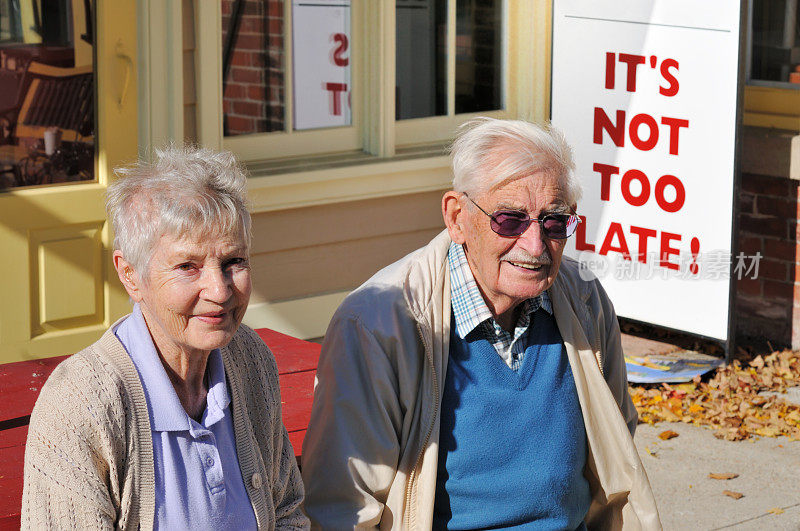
[(371, 450)]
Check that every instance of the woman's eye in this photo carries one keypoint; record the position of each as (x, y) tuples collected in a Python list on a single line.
[(186, 267), (236, 262)]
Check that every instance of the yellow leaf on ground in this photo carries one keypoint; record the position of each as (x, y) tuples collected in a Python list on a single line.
[(727, 475), (732, 494), (666, 435), (776, 510)]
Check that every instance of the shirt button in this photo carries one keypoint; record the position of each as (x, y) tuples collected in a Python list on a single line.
[(210, 462), (256, 481)]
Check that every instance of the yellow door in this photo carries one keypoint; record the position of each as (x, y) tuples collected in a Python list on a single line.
[(58, 292)]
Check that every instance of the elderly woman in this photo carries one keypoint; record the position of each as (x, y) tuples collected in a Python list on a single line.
[(173, 418)]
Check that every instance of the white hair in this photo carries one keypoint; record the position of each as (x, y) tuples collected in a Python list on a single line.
[(488, 153), (186, 190)]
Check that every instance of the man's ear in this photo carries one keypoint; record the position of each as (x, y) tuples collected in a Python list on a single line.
[(127, 275), (454, 216)]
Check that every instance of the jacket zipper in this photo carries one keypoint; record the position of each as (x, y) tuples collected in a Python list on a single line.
[(413, 476)]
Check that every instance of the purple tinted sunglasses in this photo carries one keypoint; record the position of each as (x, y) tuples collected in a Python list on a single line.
[(513, 223)]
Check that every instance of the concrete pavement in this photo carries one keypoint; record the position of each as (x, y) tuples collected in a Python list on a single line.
[(769, 478)]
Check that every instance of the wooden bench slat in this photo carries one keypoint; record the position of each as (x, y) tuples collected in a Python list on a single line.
[(291, 354), (20, 383)]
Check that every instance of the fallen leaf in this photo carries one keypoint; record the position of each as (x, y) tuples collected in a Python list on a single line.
[(732, 494), (727, 475), (647, 449), (776, 510), (666, 435)]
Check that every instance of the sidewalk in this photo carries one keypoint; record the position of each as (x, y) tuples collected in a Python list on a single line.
[(769, 478), (768, 470)]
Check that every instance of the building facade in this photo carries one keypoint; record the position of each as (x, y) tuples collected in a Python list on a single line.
[(342, 111)]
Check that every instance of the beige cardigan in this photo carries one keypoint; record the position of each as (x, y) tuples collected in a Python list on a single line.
[(89, 454), (370, 455)]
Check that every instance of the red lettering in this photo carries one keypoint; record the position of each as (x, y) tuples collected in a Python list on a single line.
[(667, 251), (341, 48), (680, 193), (580, 237), (633, 131), (644, 195), (673, 87), (675, 125), (643, 235), (335, 89), (615, 132), (633, 62), (611, 68), (615, 229), (605, 171)]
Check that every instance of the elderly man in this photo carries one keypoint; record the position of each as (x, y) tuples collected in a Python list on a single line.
[(479, 382)]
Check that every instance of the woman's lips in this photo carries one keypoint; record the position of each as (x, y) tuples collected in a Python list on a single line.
[(212, 318)]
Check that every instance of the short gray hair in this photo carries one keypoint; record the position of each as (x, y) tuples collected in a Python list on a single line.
[(186, 190), (488, 153)]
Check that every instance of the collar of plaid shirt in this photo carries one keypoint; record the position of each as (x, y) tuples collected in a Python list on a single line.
[(471, 313)]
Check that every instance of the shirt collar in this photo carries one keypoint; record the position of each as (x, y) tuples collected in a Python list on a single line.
[(169, 414), (469, 308)]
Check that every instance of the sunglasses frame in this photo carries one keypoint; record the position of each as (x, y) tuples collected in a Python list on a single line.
[(526, 223)]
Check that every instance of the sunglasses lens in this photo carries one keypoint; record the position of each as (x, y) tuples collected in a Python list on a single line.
[(510, 223), (559, 226)]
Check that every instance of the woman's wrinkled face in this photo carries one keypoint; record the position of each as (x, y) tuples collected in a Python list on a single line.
[(196, 292)]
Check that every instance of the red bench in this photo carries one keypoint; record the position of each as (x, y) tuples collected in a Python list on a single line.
[(20, 384)]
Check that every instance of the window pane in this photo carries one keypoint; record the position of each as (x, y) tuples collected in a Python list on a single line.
[(321, 48), (421, 62), (479, 55), (775, 55), (46, 93), (253, 66)]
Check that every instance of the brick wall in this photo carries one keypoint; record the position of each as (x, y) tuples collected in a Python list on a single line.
[(254, 93), (768, 306)]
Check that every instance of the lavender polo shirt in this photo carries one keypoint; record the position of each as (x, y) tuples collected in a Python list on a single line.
[(197, 478)]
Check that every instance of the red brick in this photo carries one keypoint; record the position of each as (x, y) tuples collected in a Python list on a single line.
[(256, 92), (779, 249), (248, 108), (240, 124), (750, 245), (275, 26), (249, 42), (762, 224), (749, 286), (773, 206), (246, 75), (235, 91), (746, 203), (778, 290), (760, 184), (242, 58), (769, 269)]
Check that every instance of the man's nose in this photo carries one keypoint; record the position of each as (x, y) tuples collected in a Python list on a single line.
[(532, 240), (217, 285)]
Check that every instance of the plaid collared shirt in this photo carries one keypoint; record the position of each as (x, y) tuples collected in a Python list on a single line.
[(471, 312)]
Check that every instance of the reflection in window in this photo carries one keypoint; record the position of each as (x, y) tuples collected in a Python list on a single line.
[(257, 73), (422, 57), (478, 55), (46, 92), (775, 55)]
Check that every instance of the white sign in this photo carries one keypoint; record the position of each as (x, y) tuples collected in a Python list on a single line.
[(645, 92), (321, 52)]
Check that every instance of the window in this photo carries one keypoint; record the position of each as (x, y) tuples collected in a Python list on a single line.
[(47, 105), (308, 77), (775, 44)]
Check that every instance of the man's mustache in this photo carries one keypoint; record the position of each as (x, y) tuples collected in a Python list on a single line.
[(524, 257)]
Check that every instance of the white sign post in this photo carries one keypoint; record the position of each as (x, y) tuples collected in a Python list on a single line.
[(321, 63), (646, 93)]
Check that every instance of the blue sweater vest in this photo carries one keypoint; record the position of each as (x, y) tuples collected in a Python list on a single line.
[(512, 446)]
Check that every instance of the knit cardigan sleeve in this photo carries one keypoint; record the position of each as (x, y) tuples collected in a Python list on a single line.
[(76, 450)]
